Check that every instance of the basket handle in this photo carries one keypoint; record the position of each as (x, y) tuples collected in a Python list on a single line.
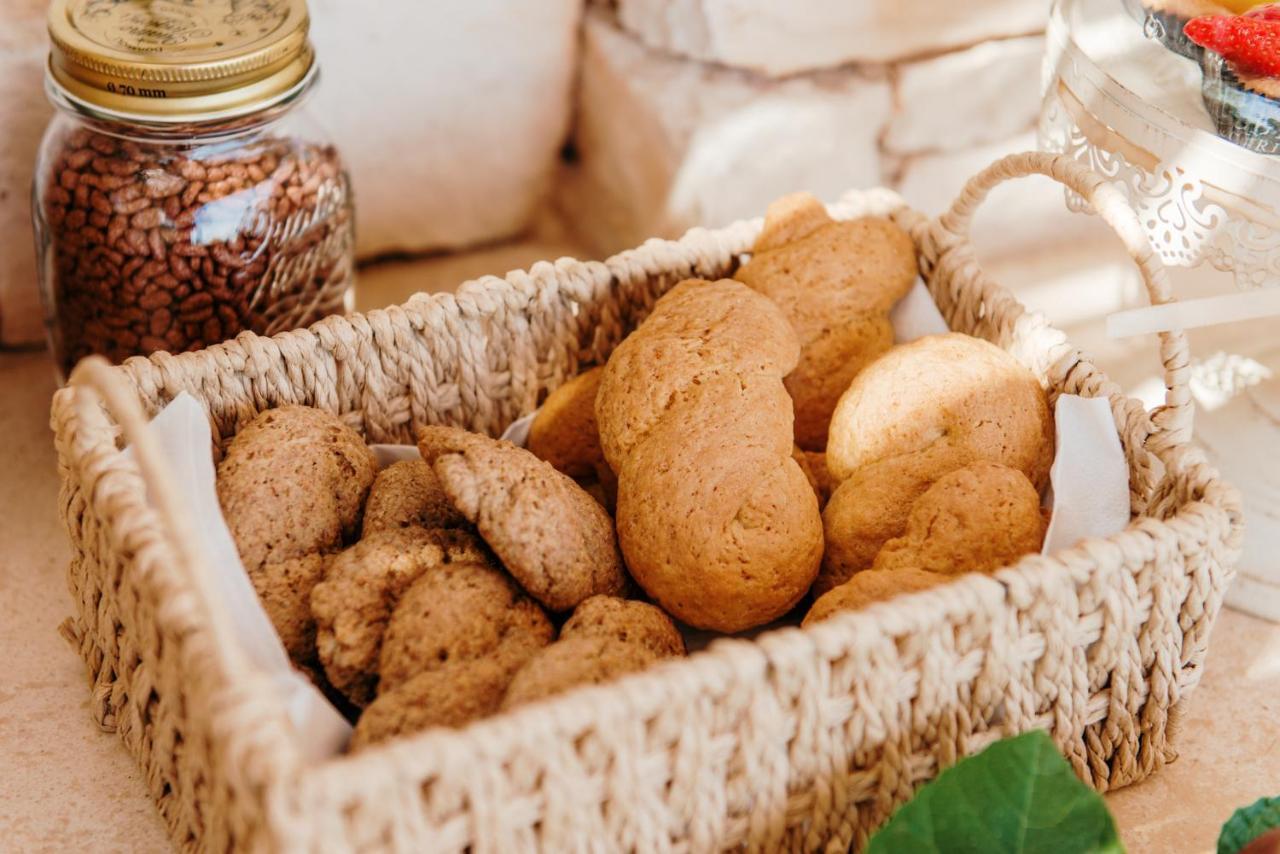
[(95, 382), (1173, 420)]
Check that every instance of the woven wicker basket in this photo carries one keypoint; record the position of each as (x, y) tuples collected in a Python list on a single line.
[(803, 739)]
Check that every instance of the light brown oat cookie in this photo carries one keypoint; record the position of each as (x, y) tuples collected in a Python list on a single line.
[(293, 483), (285, 590), (945, 400), (867, 588), (460, 612), (354, 601), (975, 519), (836, 282), (450, 696), (553, 537), (564, 432), (409, 493), (625, 620), (573, 662)]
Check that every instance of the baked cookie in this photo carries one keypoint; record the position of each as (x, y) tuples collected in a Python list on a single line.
[(451, 695), (292, 483), (865, 512), (867, 588), (975, 519), (361, 587), (564, 432), (944, 401), (553, 537), (717, 521), (409, 493), (628, 621), (576, 661), (698, 332), (460, 612), (835, 282), (285, 590), (814, 466)]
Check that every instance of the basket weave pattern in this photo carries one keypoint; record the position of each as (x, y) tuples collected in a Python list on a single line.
[(800, 740)]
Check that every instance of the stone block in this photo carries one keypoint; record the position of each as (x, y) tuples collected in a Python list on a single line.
[(802, 35), (668, 143)]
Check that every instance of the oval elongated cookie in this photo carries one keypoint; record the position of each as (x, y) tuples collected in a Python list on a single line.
[(551, 535), (564, 432), (836, 282), (354, 602)]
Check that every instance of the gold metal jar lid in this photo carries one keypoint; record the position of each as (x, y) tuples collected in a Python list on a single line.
[(179, 60)]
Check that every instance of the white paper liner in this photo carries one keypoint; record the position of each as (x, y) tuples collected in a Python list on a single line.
[(1089, 498), (181, 432)]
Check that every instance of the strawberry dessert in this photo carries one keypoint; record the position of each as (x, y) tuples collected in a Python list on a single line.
[(1241, 67)]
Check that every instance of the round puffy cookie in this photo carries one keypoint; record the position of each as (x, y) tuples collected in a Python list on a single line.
[(867, 588), (564, 432), (945, 401), (573, 662), (460, 612), (409, 493), (293, 482), (354, 602), (974, 519), (628, 621), (452, 695), (551, 535)]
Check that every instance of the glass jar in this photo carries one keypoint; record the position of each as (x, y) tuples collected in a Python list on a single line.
[(182, 195)]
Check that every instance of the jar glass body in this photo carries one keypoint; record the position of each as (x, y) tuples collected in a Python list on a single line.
[(172, 238)]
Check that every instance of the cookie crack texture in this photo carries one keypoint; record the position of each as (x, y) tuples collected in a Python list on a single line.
[(717, 521)]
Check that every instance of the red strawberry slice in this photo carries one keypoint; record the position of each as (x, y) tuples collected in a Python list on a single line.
[(1251, 43), (1269, 12)]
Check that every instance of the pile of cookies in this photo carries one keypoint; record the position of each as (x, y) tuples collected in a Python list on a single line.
[(758, 447)]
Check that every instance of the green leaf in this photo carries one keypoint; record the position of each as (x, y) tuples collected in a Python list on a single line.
[(1019, 795), (1248, 823)]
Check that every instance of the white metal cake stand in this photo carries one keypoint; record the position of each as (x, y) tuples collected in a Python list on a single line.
[(1132, 110)]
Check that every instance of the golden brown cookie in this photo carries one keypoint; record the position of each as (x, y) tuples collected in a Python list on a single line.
[(867, 588), (698, 332), (865, 512), (293, 483), (814, 466), (975, 519), (452, 695), (361, 587), (556, 540), (835, 282), (460, 612), (409, 493), (717, 521), (564, 431), (625, 620), (946, 401), (573, 662)]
